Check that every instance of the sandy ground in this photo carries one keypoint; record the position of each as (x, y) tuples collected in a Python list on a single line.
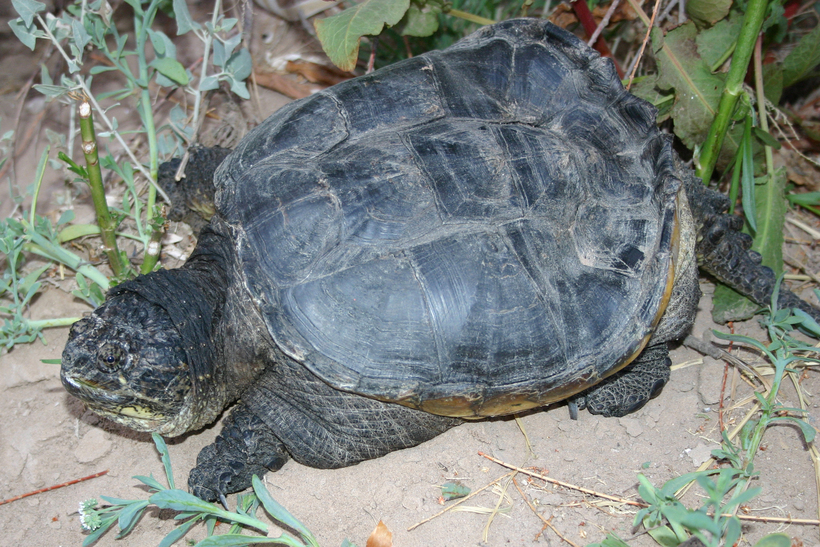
[(47, 438)]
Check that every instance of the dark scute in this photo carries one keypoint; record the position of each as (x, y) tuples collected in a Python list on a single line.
[(392, 97), (473, 83), (357, 318), (298, 131), (468, 170)]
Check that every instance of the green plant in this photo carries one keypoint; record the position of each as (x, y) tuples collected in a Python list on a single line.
[(725, 489), (82, 27), (192, 510)]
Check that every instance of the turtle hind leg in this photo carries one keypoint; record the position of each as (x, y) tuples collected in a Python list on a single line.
[(725, 252), (629, 389)]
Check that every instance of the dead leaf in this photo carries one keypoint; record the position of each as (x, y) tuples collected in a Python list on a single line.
[(380, 537)]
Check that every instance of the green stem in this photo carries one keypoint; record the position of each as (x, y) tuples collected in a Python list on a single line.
[(207, 39), (469, 17), (49, 323), (43, 247), (752, 23), (154, 223), (107, 224), (769, 195)]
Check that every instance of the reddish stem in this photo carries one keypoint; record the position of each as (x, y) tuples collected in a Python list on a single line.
[(56, 486), (588, 22)]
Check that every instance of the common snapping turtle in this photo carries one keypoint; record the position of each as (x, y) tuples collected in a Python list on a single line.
[(469, 233)]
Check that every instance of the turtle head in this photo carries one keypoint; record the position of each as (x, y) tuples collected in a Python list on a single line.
[(127, 362)]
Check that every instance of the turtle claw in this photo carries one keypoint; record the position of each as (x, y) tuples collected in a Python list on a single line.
[(574, 407), (245, 447), (224, 501)]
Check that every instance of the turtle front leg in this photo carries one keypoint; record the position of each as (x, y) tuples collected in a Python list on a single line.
[(245, 447), (629, 389)]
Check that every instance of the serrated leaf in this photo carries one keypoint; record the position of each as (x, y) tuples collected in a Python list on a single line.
[(697, 90), (773, 82), (421, 21), (715, 43), (708, 12), (802, 59), (171, 69), (340, 34)]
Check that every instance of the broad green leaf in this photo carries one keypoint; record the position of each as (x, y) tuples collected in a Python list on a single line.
[(421, 21), (708, 12), (78, 230), (730, 305), (185, 22), (340, 34), (27, 9), (240, 64), (171, 69), (774, 540), (773, 82), (697, 90), (802, 59), (716, 44), (238, 540), (30, 280), (664, 536), (25, 33), (771, 215), (80, 35)]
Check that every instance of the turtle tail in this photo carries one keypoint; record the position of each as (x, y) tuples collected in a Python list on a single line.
[(725, 252)]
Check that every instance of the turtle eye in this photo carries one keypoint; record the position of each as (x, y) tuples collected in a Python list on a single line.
[(111, 357)]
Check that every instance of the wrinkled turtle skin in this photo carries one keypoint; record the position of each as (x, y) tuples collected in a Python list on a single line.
[(469, 233)]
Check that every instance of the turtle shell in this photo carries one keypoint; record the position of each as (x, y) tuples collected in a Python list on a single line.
[(471, 232)]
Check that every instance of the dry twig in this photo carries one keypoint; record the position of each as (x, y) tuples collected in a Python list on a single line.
[(56, 486)]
